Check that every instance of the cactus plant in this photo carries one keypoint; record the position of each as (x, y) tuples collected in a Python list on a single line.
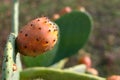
[(75, 28)]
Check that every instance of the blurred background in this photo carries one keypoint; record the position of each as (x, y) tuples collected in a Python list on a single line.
[(104, 42)]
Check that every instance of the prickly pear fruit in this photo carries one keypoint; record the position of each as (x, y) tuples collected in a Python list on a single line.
[(86, 60), (65, 10), (37, 37)]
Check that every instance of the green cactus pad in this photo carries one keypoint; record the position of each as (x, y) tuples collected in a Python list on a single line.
[(10, 58), (42, 73), (75, 29)]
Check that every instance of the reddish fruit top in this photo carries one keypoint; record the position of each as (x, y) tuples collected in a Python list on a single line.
[(65, 10), (86, 60), (37, 37)]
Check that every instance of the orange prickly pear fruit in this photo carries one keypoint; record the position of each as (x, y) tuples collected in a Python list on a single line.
[(37, 37)]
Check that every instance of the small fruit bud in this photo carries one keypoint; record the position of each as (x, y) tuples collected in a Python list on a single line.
[(81, 8), (65, 10), (56, 16), (85, 60)]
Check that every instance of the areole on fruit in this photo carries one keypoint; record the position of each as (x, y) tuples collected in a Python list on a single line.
[(37, 37)]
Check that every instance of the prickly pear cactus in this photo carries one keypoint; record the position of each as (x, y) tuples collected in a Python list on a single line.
[(75, 28), (37, 37), (45, 33)]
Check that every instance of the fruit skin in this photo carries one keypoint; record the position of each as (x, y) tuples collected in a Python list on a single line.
[(86, 60), (37, 37)]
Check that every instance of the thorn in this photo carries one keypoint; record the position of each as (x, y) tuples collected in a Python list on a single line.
[(14, 67)]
